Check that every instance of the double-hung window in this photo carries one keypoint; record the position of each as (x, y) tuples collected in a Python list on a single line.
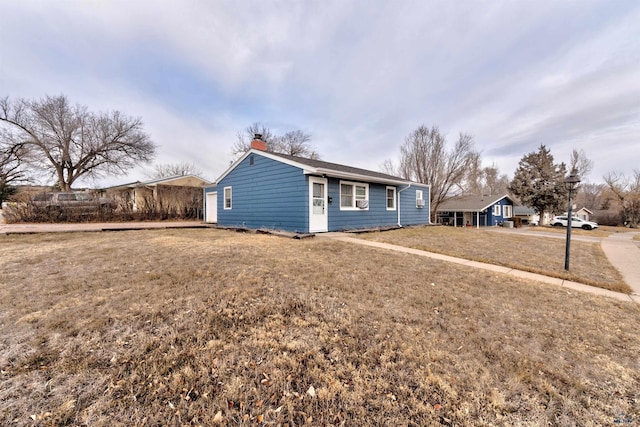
[(227, 198), (496, 210), (391, 198), (507, 211), (419, 199), (354, 195)]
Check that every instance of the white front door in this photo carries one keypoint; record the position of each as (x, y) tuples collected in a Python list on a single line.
[(318, 215), (212, 207)]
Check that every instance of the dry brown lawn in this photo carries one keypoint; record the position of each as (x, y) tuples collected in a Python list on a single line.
[(601, 232), (211, 327), (536, 254)]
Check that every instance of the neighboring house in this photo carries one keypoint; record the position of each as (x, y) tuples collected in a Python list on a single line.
[(277, 191), (175, 195), (530, 216), (475, 211), (582, 213)]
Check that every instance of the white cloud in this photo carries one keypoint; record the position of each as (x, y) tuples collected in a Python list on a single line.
[(357, 75)]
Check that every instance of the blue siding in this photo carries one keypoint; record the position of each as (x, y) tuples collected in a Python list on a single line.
[(498, 219), (267, 194), (377, 214), (409, 213), (271, 194)]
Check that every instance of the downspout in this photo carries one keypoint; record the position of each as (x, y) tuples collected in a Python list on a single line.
[(399, 198)]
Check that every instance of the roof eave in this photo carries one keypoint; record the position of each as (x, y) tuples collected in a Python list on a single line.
[(353, 176)]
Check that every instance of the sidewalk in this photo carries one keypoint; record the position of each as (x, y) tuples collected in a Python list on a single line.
[(624, 255), (344, 237)]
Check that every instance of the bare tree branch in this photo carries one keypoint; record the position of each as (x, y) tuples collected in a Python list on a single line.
[(424, 158), (627, 191), (72, 142), (167, 170), (294, 143)]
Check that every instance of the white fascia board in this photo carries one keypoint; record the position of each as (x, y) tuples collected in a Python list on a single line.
[(497, 200), (268, 155), (356, 177)]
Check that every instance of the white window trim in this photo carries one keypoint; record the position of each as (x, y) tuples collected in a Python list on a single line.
[(420, 194), (224, 202), (386, 198), (496, 210), (508, 208), (353, 204)]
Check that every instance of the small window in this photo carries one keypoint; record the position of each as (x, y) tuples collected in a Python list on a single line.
[(346, 196), (507, 210), (227, 197), (354, 195), (419, 199), (496, 210), (391, 198)]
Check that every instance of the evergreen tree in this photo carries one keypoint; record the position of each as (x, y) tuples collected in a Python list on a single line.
[(539, 183)]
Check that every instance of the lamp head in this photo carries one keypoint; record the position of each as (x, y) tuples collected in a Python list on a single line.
[(572, 180)]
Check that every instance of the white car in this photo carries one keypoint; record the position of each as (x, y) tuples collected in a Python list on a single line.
[(561, 221)]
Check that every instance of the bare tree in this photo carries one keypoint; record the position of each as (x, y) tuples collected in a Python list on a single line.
[(294, 143), (243, 142), (425, 158), (593, 196), (389, 168), (173, 169), (494, 182), (627, 191), (579, 164), (12, 157), (71, 142)]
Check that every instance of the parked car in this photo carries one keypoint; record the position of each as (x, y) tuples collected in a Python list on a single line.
[(561, 221), (76, 201)]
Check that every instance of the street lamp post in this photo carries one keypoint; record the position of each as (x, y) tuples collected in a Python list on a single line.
[(571, 181)]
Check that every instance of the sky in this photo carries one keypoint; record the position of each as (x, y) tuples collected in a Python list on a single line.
[(358, 76)]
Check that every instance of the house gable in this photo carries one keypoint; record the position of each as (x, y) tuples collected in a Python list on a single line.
[(265, 193)]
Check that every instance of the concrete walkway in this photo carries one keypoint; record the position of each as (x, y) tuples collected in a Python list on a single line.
[(624, 255), (345, 237)]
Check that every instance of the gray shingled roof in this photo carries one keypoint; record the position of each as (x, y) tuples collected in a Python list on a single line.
[(319, 164), (470, 203)]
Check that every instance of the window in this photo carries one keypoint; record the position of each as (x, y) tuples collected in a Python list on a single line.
[(507, 211), (496, 210), (419, 199), (353, 195), (227, 197), (391, 198)]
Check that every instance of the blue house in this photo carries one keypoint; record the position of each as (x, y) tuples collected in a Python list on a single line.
[(475, 211), (282, 192)]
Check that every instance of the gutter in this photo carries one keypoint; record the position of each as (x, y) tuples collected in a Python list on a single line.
[(400, 191)]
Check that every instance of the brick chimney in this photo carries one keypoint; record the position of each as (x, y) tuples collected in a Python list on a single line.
[(258, 143)]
